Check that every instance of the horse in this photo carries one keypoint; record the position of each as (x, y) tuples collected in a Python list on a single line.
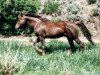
[(44, 28)]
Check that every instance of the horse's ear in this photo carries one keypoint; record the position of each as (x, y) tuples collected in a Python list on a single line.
[(21, 15)]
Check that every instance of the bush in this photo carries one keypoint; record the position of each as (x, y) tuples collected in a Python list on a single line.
[(98, 9), (91, 1), (72, 10), (72, 17), (96, 12), (10, 10), (12, 61), (56, 19), (51, 7)]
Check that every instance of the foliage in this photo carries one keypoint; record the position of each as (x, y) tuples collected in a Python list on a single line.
[(51, 7), (98, 9), (10, 10), (56, 19), (12, 61), (72, 10), (91, 1), (27, 62), (96, 12)]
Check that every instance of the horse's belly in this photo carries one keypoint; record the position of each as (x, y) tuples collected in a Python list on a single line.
[(55, 32), (55, 36)]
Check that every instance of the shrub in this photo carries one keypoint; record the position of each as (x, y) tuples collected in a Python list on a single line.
[(72, 17), (72, 10), (56, 19), (91, 1), (12, 61), (96, 12), (98, 9), (51, 7), (10, 10)]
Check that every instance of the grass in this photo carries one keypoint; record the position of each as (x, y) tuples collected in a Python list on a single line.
[(19, 59)]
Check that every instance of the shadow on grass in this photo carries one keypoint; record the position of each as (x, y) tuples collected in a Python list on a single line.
[(55, 45), (88, 46), (52, 46)]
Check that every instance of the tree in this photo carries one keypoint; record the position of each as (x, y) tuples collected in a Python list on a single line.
[(10, 10)]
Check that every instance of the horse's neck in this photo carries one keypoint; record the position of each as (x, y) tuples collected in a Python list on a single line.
[(45, 19), (32, 18), (33, 21)]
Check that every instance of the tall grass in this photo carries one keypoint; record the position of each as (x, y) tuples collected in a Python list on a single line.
[(23, 60), (13, 59)]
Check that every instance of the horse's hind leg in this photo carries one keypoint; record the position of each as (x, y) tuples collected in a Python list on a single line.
[(72, 46), (77, 40)]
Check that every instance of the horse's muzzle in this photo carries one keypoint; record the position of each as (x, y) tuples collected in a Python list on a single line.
[(16, 26)]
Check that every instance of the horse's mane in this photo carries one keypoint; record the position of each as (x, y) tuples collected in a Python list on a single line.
[(37, 16), (33, 15)]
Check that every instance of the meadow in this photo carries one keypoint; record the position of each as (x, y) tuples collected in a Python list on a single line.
[(17, 58)]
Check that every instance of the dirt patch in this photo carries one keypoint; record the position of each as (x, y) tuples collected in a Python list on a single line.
[(29, 40)]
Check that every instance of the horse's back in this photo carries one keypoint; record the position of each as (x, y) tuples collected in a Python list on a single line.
[(59, 28)]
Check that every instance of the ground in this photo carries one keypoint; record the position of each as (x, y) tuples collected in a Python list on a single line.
[(29, 40), (20, 55)]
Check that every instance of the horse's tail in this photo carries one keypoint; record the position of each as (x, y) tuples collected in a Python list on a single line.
[(85, 31)]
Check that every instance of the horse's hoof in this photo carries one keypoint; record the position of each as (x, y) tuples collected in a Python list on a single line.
[(43, 53), (69, 52)]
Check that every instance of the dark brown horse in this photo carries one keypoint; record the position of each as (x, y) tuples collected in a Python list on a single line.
[(44, 28)]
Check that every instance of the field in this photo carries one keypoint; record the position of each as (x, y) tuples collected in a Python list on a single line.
[(17, 58)]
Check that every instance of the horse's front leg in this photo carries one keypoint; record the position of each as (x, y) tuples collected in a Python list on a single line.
[(35, 45), (42, 40)]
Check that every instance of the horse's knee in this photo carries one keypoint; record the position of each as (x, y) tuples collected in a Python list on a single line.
[(43, 47), (81, 48), (82, 45), (39, 51), (34, 43), (77, 40)]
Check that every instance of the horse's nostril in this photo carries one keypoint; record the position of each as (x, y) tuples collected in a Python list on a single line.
[(15, 27)]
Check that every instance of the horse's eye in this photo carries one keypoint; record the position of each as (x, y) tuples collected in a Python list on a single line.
[(19, 20)]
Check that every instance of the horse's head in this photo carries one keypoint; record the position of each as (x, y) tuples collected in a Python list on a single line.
[(21, 21)]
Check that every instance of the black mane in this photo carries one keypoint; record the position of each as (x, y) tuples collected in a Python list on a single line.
[(32, 15), (37, 16)]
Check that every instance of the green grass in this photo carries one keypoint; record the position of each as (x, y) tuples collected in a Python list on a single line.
[(24, 60)]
